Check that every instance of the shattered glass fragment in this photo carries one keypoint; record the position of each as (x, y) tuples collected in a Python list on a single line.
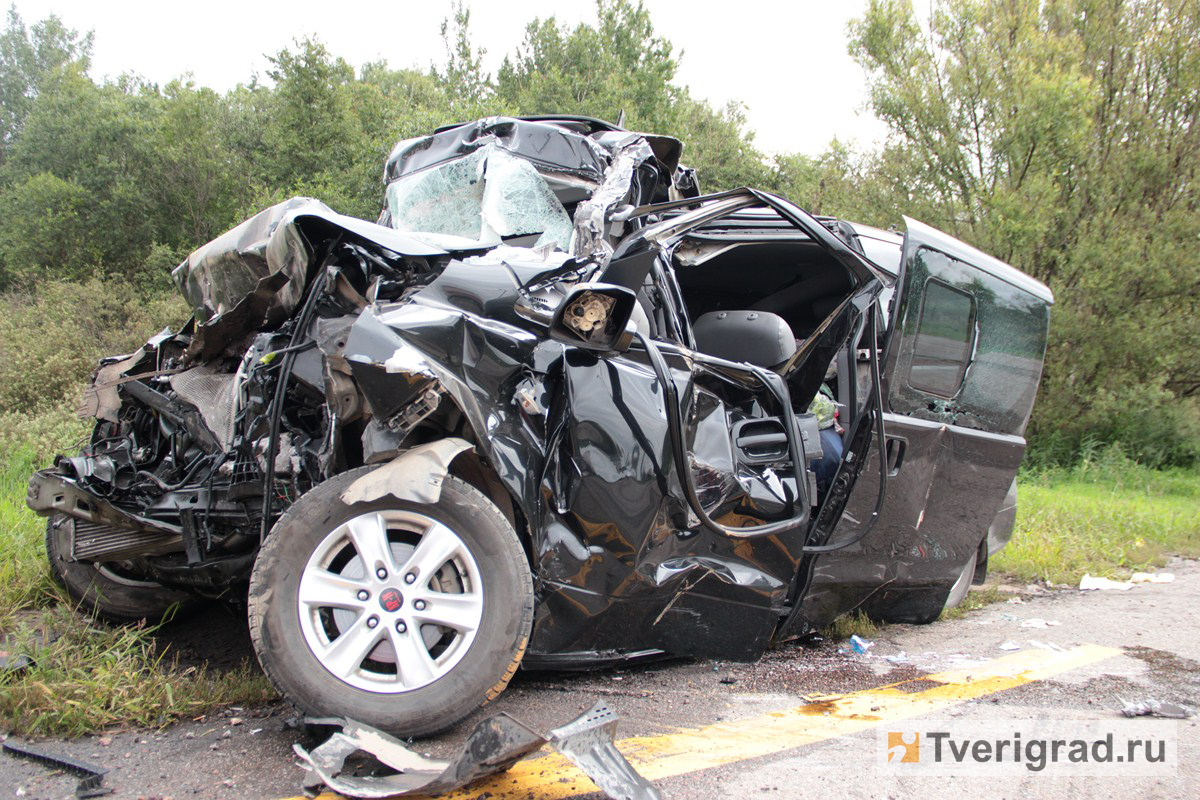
[(483, 196), (444, 199), (517, 200)]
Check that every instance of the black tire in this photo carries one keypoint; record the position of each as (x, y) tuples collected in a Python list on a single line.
[(482, 670), (958, 591), (108, 590)]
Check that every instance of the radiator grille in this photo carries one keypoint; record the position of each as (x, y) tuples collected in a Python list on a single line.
[(93, 541)]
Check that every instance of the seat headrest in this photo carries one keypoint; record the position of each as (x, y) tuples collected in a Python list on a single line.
[(756, 337)]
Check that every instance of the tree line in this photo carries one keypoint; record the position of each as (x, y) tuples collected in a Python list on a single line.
[(1058, 135)]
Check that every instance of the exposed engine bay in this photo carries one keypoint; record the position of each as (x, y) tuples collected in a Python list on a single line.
[(193, 430)]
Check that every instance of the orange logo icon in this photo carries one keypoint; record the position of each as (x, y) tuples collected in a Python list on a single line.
[(903, 747)]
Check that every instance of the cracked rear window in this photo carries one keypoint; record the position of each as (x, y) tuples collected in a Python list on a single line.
[(943, 345)]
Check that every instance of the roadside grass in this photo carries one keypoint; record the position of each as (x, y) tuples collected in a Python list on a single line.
[(1107, 516), (86, 675), (853, 624), (979, 597), (24, 573)]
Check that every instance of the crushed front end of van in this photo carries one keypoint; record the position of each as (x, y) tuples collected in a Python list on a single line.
[(554, 409)]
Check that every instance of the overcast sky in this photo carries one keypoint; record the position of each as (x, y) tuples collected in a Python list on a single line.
[(786, 61)]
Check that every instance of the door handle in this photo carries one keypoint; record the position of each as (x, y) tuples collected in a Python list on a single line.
[(895, 455), (760, 440)]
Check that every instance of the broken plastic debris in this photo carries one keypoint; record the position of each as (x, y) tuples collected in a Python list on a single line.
[(589, 742), (1038, 622), (1153, 708), (14, 662), (494, 745), (860, 645), (91, 783), (1010, 646), (1152, 577), (1087, 582), (17, 655), (811, 640)]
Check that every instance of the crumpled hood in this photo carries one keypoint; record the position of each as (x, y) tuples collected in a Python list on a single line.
[(266, 258)]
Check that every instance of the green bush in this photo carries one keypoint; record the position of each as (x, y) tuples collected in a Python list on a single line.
[(43, 434), (52, 337), (1150, 426), (44, 231)]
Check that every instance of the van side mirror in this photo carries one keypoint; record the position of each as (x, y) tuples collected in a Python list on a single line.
[(595, 316)]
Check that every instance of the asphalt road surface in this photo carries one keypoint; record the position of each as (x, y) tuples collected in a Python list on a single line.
[(808, 720)]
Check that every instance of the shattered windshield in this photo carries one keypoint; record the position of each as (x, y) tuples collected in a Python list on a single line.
[(485, 196)]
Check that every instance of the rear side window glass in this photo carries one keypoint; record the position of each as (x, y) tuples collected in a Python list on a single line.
[(943, 345)]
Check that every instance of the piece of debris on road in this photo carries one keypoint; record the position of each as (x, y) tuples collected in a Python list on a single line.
[(1089, 582), (1153, 708), (494, 745), (91, 783)]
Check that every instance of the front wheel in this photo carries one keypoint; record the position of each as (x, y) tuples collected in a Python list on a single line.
[(402, 615)]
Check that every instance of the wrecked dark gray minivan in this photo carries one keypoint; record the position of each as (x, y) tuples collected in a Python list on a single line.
[(554, 410)]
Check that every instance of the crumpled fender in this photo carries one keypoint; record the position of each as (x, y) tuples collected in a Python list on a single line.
[(414, 475)]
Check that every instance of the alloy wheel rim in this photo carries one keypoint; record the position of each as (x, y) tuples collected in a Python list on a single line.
[(390, 601)]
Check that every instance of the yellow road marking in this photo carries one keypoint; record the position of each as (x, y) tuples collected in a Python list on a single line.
[(691, 750)]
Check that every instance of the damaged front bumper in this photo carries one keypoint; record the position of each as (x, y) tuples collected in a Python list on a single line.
[(98, 527)]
